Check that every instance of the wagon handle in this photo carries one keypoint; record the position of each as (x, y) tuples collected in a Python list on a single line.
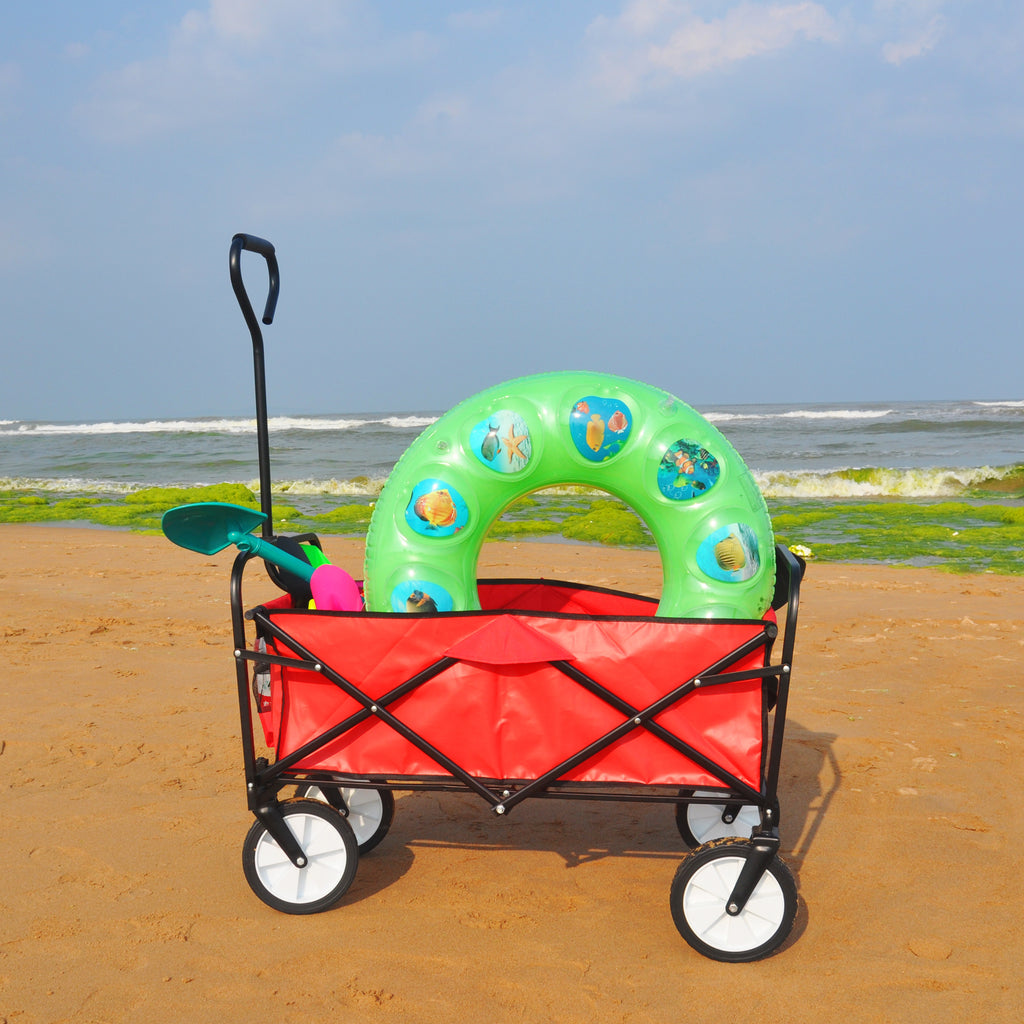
[(251, 243)]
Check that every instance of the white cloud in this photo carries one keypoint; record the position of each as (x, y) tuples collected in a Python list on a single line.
[(153, 97), (516, 143), (658, 39), (917, 44), (745, 31), (251, 21), (912, 27), (214, 62), (642, 17)]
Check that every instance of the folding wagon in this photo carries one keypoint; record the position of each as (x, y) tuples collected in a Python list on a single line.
[(550, 689)]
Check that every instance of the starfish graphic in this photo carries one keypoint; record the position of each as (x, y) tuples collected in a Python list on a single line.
[(513, 442)]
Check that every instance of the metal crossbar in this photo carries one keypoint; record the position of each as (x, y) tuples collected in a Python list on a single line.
[(503, 801)]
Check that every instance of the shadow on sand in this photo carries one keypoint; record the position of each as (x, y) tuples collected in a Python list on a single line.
[(584, 831)]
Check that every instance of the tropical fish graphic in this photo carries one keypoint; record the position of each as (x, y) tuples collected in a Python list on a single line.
[(730, 553), (436, 508), (419, 602), (684, 463), (490, 446), (599, 427)]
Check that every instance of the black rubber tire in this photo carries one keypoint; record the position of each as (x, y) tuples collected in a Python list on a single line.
[(700, 892), (332, 856)]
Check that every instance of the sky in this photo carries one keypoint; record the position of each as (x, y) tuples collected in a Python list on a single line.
[(738, 201)]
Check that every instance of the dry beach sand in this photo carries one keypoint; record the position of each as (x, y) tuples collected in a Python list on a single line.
[(122, 896)]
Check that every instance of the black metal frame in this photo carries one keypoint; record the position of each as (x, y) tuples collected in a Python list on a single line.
[(264, 780)]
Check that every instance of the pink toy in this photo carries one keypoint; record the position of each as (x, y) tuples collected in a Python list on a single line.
[(334, 590)]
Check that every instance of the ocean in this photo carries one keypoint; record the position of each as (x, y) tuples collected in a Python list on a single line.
[(899, 483), (909, 450)]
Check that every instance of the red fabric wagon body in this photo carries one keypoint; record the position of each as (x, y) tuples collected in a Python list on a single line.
[(545, 672)]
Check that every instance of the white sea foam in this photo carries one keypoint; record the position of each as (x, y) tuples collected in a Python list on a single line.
[(222, 426), (835, 414), (800, 414), (348, 423), (212, 426), (731, 417), (877, 483), (66, 485), (312, 423), (402, 422), (361, 486)]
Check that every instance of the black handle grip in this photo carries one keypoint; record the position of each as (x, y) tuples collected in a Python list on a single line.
[(250, 243), (261, 246)]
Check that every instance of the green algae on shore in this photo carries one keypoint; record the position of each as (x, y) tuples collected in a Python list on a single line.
[(955, 536), (138, 510), (958, 536)]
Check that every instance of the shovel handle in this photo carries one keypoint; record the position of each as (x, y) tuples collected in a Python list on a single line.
[(267, 551)]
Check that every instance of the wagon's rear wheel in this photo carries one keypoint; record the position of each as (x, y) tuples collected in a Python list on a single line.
[(700, 895), (700, 823), (331, 852), (369, 811)]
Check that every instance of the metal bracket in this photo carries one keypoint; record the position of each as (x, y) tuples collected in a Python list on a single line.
[(272, 819), (762, 853)]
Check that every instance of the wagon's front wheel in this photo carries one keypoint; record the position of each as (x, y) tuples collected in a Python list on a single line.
[(700, 895), (331, 853), (369, 811)]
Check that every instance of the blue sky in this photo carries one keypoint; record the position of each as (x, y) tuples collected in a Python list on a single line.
[(737, 201)]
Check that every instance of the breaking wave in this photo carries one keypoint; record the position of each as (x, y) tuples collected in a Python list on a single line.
[(892, 483), (214, 426)]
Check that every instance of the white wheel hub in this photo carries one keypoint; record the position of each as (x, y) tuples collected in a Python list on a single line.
[(365, 809), (705, 820), (705, 900), (326, 861)]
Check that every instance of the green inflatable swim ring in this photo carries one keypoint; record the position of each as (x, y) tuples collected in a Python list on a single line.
[(637, 442)]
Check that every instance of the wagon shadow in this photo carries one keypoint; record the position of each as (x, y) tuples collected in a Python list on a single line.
[(580, 832)]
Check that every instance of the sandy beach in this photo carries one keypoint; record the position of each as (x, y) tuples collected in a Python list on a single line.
[(123, 816)]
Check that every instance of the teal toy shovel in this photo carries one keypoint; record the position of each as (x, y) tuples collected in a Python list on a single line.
[(212, 526)]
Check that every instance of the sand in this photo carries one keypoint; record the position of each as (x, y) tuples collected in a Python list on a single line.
[(123, 816)]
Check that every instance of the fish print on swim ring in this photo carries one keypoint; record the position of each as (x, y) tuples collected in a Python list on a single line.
[(686, 471), (419, 597), (436, 509), (502, 442), (600, 427), (730, 554)]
